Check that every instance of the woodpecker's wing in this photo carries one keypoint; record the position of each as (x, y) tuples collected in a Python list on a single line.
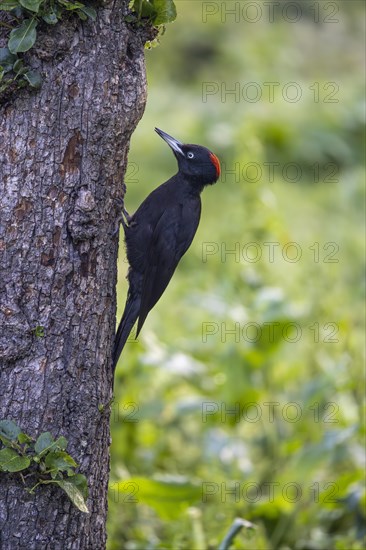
[(171, 238)]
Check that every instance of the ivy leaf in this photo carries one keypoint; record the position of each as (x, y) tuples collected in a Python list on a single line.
[(90, 12), (44, 443), (74, 494), (9, 5), (10, 461), (71, 5), (23, 38), (131, 18), (18, 67), (31, 5), (4, 440), (59, 460), (165, 12), (24, 438), (144, 8), (82, 15), (7, 60), (34, 79), (50, 18), (80, 481), (61, 443), (8, 428)]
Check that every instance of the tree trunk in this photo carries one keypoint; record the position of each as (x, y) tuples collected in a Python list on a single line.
[(63, 157)]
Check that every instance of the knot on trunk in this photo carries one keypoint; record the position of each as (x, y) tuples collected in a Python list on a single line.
[(83, 222)]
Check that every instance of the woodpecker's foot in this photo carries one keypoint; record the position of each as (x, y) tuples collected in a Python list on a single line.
[(120, 218), (124, 217), (121, 204), (128, 218)]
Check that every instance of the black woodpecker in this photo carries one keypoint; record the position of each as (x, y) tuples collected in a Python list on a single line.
[(161, 231)]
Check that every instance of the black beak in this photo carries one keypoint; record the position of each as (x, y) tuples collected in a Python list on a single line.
[(172, 142)]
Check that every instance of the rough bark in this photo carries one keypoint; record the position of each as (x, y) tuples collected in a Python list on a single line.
[(63, 156)]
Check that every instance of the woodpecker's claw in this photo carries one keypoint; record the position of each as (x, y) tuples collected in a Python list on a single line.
[(126, 215), (123, 216)]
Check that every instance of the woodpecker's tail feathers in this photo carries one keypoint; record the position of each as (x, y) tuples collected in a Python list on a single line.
[(129, 318)]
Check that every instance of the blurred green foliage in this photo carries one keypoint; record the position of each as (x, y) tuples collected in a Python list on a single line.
[(264, 422)]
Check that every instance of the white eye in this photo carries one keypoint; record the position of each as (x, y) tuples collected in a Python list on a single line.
[(190, 155)]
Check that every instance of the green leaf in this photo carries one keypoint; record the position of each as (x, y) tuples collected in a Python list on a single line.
[(18, 65), (144, 8), (130, 18), (74, 494), (50, 18), (4, 440), (69, 6), (23, 38), (9, 429), (2, 72), (39, 331), (24, 438), (168, 498), (34, 78), (44, 443), (82, 15), (165, 11), (90, 12), (7, 59), (31, 5), (59, 460), (10, 461), (9, 5), (61, 443), (80, 481), (271, 334)]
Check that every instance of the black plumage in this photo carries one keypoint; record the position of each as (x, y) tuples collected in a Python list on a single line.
[(161, 231)]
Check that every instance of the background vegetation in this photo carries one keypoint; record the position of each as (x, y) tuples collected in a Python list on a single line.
[(290, 456)]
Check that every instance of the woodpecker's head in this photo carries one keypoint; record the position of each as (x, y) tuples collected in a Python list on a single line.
[(194, 161)]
